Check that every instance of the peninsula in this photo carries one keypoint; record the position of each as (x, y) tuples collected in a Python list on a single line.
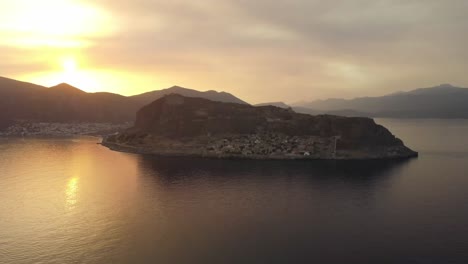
[(175, 125)]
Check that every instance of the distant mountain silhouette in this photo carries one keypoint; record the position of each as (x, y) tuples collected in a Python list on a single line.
[(443, 101), (277, 104), (65, 103), (210, 95), (344, 112), (61, 103)]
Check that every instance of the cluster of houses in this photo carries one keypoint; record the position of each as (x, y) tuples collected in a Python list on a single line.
[(28, 129), (273, 145)]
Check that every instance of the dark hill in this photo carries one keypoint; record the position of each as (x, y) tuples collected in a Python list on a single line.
[(277, 104), (65, 103), (149, 97), (66, 89), (13, 86)]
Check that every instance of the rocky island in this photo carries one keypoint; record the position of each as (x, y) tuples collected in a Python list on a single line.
[(176, 125)]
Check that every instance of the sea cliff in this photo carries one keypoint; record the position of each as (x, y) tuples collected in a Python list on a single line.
[(176, 125)]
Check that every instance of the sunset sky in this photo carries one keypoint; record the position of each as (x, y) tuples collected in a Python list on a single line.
[(262, 50)]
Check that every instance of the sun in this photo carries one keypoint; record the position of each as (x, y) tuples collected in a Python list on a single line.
[(72, 74), (69, 65)]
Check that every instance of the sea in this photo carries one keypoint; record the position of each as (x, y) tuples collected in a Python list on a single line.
[(71, 200)]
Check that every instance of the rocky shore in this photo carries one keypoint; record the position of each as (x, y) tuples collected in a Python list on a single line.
[(34, 129), (266, 146), (179, 126)]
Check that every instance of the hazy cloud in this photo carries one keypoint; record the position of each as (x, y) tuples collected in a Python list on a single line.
[(285, 50)]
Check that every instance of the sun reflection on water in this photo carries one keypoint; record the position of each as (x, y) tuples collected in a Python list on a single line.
[(71, 192)]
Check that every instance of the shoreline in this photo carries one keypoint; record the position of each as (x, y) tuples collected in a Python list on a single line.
[(52, 137)]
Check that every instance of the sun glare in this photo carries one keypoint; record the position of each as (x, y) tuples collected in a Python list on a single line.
[(68, 70), (69, 65), (55, 23)]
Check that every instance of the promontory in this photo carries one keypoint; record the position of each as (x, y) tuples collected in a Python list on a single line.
[(175, 125)]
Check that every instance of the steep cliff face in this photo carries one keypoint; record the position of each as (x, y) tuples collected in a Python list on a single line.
[(202, 127)]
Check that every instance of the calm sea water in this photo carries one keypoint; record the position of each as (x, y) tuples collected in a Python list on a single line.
[(74, 201)]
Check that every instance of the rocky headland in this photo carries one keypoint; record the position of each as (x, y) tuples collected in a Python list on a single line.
[(176, 125)]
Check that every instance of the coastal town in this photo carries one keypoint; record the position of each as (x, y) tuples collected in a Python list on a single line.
[(32, 129), (273, 145), (257, 146)]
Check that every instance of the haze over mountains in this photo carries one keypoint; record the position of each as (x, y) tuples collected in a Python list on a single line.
[(443, 101), (65, 103)]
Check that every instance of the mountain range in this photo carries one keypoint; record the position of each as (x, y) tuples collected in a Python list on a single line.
[(443, 101), (65, 103)]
